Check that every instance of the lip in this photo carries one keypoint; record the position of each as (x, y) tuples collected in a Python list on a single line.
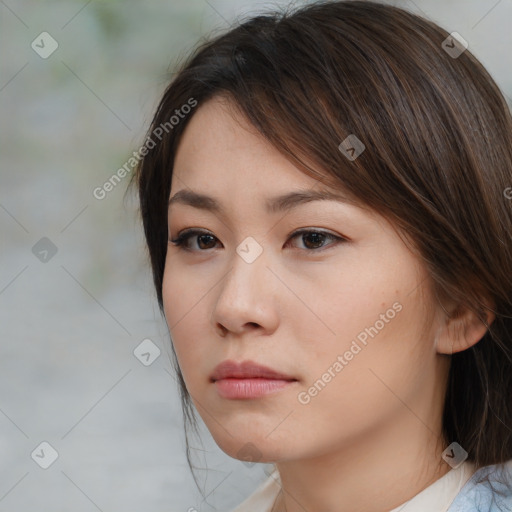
[(246, 370), (248, 380)]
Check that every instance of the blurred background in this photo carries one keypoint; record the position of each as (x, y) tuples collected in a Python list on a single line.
[(89, 417)]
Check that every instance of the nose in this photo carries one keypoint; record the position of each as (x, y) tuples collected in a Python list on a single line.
[(247, 298)]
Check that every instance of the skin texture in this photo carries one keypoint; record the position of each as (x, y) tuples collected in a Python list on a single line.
[(371, 438)]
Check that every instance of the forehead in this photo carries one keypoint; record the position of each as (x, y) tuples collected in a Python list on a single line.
[(221, 150), (217, 135)]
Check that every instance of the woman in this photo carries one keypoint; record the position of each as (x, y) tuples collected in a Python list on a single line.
[(324, 195)]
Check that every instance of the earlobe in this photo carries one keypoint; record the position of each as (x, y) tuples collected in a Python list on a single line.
[(462, 329)]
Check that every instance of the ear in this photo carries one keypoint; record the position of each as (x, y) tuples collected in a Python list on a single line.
[(462, 328)]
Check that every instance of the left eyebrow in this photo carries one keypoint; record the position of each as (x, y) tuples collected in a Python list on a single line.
[(282, 203)]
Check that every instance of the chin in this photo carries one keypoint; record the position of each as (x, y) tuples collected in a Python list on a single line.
[(255, 448)]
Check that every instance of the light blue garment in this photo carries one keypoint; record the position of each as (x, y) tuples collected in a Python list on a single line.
[(488, 490)]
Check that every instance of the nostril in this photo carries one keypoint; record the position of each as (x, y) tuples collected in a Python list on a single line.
[(221, 330)]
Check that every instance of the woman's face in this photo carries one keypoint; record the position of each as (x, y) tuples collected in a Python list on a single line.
[(346, 317)]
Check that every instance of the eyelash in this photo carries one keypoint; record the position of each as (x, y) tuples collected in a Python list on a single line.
[(184, 236)]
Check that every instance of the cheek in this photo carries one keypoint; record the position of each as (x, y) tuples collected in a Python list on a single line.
[(354, 303), (350, 386), (184, 304), (369, 318)]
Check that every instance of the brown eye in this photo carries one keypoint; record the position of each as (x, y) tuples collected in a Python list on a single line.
[(313, 240), (204, 240)]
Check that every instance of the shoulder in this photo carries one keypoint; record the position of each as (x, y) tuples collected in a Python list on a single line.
[(488, 490)]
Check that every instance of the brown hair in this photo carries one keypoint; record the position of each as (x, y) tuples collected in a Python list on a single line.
[(437, 163)]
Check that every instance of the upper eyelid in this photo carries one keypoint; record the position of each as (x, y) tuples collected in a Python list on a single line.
[(201, 231)]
